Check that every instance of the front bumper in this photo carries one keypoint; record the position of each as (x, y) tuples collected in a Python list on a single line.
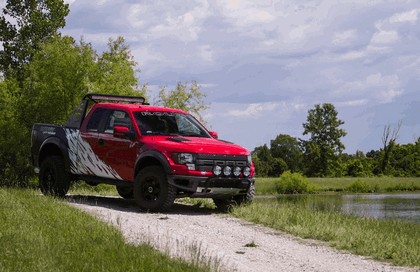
[(206, 187)]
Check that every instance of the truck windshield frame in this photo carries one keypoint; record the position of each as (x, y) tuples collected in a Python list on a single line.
[(169, 124)]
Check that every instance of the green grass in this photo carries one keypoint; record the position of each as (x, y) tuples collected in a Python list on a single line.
[(267, 186), (81, 188), (394, 241), (40, 233)]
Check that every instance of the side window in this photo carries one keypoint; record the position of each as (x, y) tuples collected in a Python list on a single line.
[(118, 118), (95, 120)]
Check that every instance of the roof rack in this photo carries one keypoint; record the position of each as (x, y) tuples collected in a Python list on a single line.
[(119, 98)]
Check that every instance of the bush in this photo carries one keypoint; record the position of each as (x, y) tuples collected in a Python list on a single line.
[(360, 186), (293, 183)]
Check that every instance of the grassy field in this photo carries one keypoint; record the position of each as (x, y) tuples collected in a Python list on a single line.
[(393, 241), (267, 186), (40, 233)]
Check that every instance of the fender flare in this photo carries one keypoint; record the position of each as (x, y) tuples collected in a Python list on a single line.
[(154, 155), (62, 146)]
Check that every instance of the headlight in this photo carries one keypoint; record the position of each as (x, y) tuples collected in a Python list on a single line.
[(247, 171), (185, 158)]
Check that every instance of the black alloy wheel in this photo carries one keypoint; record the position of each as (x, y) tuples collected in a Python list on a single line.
[(53, 178), (152, 191)]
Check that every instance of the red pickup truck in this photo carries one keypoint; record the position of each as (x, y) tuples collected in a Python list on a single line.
[(152, 154)]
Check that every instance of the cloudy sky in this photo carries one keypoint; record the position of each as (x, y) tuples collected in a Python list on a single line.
[(264, 64)]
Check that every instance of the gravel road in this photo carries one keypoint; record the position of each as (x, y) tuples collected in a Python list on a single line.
[(227, 243)]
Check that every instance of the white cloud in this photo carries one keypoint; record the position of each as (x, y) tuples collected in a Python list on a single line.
[(375, 88), (351, 55), (345, 38), (162, 20), (388, 95), (206, 53), (247, 13), (353, 103), (409, 16), (253, 110), (383, 37)]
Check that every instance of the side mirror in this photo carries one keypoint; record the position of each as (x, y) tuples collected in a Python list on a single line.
[(122, 132), (214, 134)]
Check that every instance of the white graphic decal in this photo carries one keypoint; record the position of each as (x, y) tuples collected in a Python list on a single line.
[(84, 160)]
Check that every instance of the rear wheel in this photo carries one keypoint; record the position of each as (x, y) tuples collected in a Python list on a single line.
[(53, 178), (152, 191), (125, 191)]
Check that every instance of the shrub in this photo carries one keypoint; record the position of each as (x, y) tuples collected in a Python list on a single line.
[(293, 183), (359, 186)]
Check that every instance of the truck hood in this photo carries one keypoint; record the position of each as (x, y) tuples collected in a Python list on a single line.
[(195, 145)]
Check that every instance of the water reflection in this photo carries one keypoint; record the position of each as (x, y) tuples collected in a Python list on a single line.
[(405, 207)]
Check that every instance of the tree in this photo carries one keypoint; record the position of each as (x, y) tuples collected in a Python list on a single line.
[(288, 149), (59, 74), (357, 165), (263, 160), (186, 97), (117, 71), (323, 148), (24, 26), (14, 165), (388, 141), (405, 160)]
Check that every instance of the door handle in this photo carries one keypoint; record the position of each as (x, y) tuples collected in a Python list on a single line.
[(101, 141)]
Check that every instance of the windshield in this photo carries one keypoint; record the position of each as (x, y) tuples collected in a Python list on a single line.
[(169, 123)]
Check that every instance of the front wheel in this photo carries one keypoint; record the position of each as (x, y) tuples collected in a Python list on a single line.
[(245, 199), (152, 191), (226, 204), (53, 178)]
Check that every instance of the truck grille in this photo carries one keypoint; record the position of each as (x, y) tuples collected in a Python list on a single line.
[(206, 162)]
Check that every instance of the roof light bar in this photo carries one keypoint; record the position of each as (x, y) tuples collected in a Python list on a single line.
[(119, 98)]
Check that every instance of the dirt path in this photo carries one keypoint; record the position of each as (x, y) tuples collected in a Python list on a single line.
[(228, 243)]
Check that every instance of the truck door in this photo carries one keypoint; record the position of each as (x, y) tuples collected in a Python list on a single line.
[(108, 156)]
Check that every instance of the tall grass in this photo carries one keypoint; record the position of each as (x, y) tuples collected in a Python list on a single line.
[(81, 188), (44, 234), (394, 241), (267, 186)]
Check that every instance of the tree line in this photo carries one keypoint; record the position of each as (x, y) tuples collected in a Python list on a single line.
[(322, 154), (45, 74)]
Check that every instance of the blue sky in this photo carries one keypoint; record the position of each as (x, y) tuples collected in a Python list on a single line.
[(264, 64)]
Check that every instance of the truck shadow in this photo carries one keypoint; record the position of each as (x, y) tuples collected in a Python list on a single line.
[(129, 205)]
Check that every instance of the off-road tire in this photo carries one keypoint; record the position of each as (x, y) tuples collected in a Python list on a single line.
[(53, 178), (152, 192), (226, 204), (125, 191), (223, 204), (246, 199)]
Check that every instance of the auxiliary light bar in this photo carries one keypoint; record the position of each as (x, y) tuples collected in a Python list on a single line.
[(120, 98)]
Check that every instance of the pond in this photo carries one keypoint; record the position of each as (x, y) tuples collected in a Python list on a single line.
[(404, 207)]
